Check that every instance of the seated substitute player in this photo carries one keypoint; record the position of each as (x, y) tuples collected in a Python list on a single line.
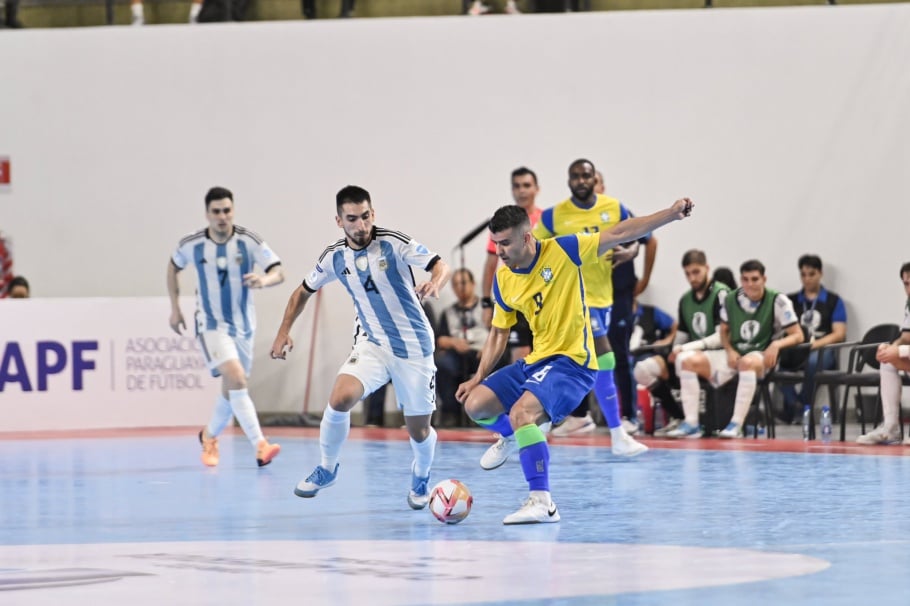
[(542, 280), (375, 266), (699, 321), (894, 358), (750, 318), (223, 255)]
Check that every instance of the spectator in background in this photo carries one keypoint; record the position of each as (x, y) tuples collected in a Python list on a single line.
[(19, 288), (724, 275), (894, 358), (479, 8), (11, 9), (823, 318), (6, 264), (138, 11)]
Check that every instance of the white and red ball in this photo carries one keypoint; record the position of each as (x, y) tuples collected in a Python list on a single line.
[(450, 501)]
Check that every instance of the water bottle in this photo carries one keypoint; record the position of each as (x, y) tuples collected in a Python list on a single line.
[(658, 413), (825, 424), (807, 414)]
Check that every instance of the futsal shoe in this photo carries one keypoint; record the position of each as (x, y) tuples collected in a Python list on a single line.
[(209, 450), (686, 431), (627, 446), (316, 481), (732, 430), (499, 453), (420, 494), (881, 435), (534, 511), (265, 452), (574, 426)]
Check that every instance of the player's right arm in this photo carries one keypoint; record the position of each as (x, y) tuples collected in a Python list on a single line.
[(493, 349), (283, 342), (173, 291)]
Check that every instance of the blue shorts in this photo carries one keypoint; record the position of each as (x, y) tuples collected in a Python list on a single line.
[(600, 320), (558, 382)]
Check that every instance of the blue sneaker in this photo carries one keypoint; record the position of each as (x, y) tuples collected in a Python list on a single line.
[(316, 481), (732, 430), (685, 431), (420, 494)]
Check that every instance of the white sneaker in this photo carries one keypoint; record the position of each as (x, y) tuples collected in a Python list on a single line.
[(732, 430), (627, 446), (499, 453), (684, 430), (880, 435), (630, 427), (573, 426), (671, 425), (511, 9), (478, 8), (906, 441), (533, 511)]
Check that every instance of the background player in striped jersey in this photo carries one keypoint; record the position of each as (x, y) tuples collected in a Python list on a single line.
[(542, 280), (375, 266), (224, 255)]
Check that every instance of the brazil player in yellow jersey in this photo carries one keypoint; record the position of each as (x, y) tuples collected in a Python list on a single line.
[(543, 281), (586, 211)]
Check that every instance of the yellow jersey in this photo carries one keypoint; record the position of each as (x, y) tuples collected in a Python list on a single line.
[(569, 218), (551, 295)]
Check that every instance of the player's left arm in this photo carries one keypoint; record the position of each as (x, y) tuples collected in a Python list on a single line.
[(274, 272), (439, 275), (636, 227), (784, 315), (650, 256)]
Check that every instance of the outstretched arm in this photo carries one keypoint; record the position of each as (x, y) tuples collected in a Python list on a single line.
[(283, 342), (633, 228)]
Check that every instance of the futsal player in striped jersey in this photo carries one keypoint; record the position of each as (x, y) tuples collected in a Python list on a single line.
[(224, 256), (543, 280), (375, 265)]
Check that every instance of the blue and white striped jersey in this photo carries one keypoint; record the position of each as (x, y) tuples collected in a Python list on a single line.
[(381, 282), (222, 301)]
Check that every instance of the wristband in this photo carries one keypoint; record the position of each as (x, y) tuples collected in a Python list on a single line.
[(486, 303), (903, 351)]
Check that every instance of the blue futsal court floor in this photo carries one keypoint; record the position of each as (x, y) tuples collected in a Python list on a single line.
[(132, 517)]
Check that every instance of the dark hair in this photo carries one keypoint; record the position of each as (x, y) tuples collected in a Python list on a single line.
[(351, 194), (813, 261), (724, 275), (694, 257), (467, 272), (583, 161), (752, 265), (507, 217), (18, 281), (905, 269), (522, 171), (217, 193)]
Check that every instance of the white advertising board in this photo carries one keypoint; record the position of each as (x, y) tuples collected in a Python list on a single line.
[(97, 363)]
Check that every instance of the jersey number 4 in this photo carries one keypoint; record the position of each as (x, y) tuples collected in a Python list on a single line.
[(369, 285)]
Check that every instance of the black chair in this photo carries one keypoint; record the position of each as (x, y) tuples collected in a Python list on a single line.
[(860, 359)]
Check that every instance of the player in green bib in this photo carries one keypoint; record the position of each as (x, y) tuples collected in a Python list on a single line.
[(751, 318)]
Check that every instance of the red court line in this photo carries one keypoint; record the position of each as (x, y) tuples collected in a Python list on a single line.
[(480, 436)]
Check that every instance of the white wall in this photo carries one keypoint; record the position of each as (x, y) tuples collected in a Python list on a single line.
[(789, 127)]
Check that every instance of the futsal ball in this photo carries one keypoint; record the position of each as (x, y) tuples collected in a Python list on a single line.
[(450, 501)]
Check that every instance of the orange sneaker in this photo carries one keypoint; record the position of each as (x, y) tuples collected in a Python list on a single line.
[(209, 449), (265, 452)]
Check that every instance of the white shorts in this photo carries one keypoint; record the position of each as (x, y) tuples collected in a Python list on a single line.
[(219, 347), (414, 380), (717, 359)]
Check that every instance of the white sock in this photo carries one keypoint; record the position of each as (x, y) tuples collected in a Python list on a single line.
[(745, 391), (245, 412), (195, 8), (891, 396), (138, 12), (221, 416), (423, 454), (688, 393), (542, 495), (333, 431)]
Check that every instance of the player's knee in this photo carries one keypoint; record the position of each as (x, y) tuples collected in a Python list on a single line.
[(646, 372), (687, 360)]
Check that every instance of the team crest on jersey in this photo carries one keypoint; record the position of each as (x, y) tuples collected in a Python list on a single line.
[(605, 217), (547, 274), (221, 262), (239, 258), (749, 330), (361, 263), (700, 323), (382, 264)]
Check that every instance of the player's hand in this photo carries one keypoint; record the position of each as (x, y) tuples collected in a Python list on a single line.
[(282, 346), (176, 321), (671, 357), (625, 252), (887, 353), (461, 394), (683, 207), (771, 354), (427, 289), (252, 281)]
